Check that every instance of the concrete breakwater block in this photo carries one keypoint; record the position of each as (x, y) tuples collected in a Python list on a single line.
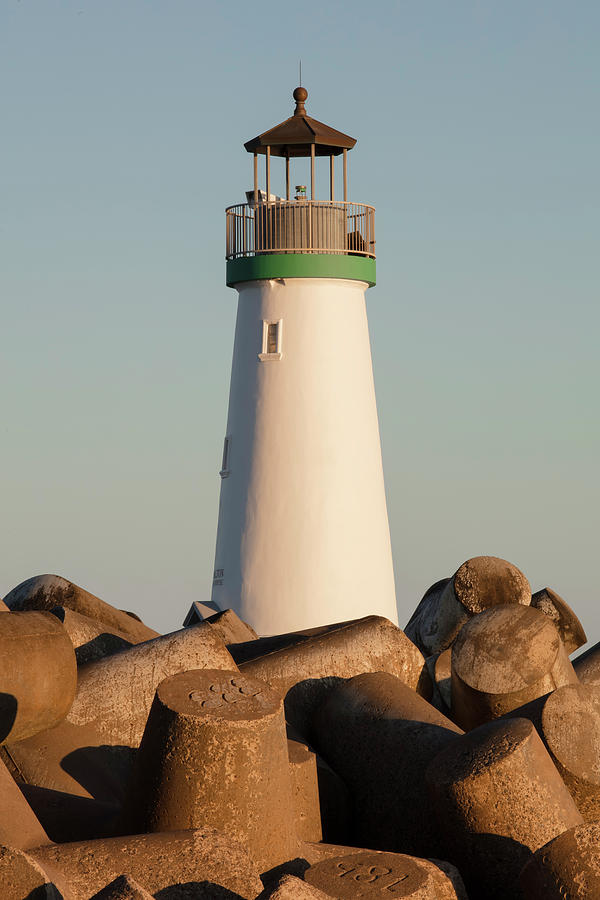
[(72, 759), (91, 639), (380, 736), (38, 674), (372, 875), (44, 592), (503, 658), (568, 721), (155, 861), (19, 826), (566, 868), (305, 791), (498, 797), (114, 694), (558, 610), (214, 752), (305, 672), (478, 584)]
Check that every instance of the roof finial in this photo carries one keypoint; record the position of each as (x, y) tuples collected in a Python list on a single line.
[(300, 95)]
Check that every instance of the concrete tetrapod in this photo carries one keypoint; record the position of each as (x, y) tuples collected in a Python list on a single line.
[(155, 861), (372, 875), (19, 826), (44, 592), (587, 665), (568, 721), (505, 657), (498, 797), (72, 759), (114, 694), (38, 674), (230, 628), (569, 627), (214, 753), (22, 878), (91, 640), (478, 584), (380, 736), (304, 673), (305, 791), (566, 868), (291, 888)]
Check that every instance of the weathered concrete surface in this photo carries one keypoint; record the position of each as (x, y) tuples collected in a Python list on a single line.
[(19, 826), (155, 861), (380, 736), (115, 694), (566, 868), (44, 592), (214, 752), (568, 625), (303, 674), (375, 875), (568, 721), (38, 674), (230, 628), (498, 798), (123, 888), (74, 759), (587, 665), (478, 584), (22, 878), (503, 658), (291, 888), (247, 650), (422, 628), (91, 640), (305, 791)]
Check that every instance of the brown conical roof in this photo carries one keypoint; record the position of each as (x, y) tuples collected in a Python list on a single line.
[(295, 136)]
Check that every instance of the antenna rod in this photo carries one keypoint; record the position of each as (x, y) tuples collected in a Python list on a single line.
[(300, 73)]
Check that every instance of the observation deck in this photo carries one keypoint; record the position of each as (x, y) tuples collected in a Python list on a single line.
[(302, 237)]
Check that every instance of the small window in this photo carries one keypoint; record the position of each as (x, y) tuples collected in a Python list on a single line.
[(271, 340), (225, 463), (272, 330)]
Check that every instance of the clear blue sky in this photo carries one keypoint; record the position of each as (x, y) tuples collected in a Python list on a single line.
[(478, 142)]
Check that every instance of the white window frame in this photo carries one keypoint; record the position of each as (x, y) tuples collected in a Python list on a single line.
[(265, 356)]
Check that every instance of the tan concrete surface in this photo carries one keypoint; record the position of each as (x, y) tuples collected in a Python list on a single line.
[(230, 628), (371, 875), (90, 638), (214, 753), (38, 674), (304, 673), (19, 826), (114, 694), (498, 797), (568, 625), (503, 658), (155, 861), (380, 736), (566, 868), (22, 878), (44, 592), (305, 791)]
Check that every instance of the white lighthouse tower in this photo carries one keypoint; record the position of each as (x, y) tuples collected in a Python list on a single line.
[(303, 535)]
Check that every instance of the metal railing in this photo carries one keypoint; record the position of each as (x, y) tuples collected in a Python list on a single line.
[(300, 226)]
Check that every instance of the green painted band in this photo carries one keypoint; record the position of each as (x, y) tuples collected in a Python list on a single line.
[(300, 265)]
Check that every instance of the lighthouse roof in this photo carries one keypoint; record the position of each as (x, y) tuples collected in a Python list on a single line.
[(295, 136)]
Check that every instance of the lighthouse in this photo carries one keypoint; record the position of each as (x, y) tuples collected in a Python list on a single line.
[(303, 535)]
